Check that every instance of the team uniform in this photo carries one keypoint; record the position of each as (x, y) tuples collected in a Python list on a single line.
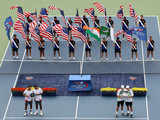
[(142, 23), (125, 25), (103, 48), (15, 46), (88, 49), (56, 48), (134, 49), (71, 48), (110, 23), (41, 49), (96, 24), (118, 48), (28, 47), (150, 48), (38, 100), (28, 100)]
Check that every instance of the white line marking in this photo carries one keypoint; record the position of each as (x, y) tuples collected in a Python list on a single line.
[(72, 118), (83, 54), (15, 82), (145, 83), (4, 54), (77, 106)]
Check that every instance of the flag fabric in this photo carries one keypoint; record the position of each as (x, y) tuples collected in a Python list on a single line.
[(63, 16), (112, 34), (105, 16), (18, 27), (43, 26), (128, 35), (8, 23), (118, 33), (140, 32), (34, 33), (34, 16), (13, 7), (90, 12), (52, 7), (93, 32), (104, 31), (120, 12), (46, 34), (132, 12), (99, 7), (77, 19), (27, 14), (20, 14)]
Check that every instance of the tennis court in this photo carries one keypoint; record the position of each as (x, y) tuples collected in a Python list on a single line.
[(83, 107)]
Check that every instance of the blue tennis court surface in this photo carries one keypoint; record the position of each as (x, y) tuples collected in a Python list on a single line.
[(83, 107)]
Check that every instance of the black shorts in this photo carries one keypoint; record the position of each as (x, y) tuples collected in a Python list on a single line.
[(56, 49), (88, 50), (150, 49), (15, 49), (103, 50), (71, 50), (38, 102), (117, 51), (134, 50), (28, 47), (120, 103), (28, 103), (41, 49), (129, 104)]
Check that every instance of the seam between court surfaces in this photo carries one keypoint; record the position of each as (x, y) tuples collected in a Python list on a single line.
[(14, 85), (145, 82), (71, 118), (4, 54)]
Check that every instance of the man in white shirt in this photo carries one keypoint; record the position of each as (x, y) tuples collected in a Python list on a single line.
[(120, 100), (38, 99), (129, 101), (28, 93)]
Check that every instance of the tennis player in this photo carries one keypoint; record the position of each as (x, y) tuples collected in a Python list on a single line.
[(104, 49), (88, 49), (71, 45), (28, 94), (129, 101), (120, 100), (118, 48), (41, 48), (134, 49), (28, 47), (56, 48), (15, 46), (38, 99), (150, 47)]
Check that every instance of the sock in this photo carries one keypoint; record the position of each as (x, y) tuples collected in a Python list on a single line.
[(127, 111)]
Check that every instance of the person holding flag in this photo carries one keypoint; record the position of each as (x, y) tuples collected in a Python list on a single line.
[(96, 22), (125, 25), (117, 45), (8, 24), (129, 101), (104, 49), (150, 47), (142, 22), (28, 47), (41, 48), (15, 46), (71, 45), (88, 49), (56, 48), (70, 22), (134, 49), (110, 23)]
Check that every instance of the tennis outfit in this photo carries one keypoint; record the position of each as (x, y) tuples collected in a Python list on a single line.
[(120, 101), (37, 93), (28, 97), (117, 49), (128, 100)]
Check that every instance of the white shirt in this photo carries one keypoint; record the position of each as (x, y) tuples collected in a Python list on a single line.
[(130, 96), (120, 93), (27, 93), (38, 91)]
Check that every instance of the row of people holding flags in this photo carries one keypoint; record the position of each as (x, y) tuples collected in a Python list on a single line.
[(29, 24)]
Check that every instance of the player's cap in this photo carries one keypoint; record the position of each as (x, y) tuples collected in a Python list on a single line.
[(127, 86), (122, 86)]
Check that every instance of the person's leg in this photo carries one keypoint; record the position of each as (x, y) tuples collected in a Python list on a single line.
[(43, 53), (13, 52), (30, 52), (117, 108), (127, 104), (27, 52), (58, 52), (40, 105), (131, 109), (132, 55), (152, 54), (106, 54), (120, 55), (122, 105), (115, 54), (136, 55), (17, 52), (36, 103), (54, 53), (30, 103), (148, 52), (25, 108)]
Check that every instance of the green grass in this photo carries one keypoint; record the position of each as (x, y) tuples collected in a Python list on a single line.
[(145, 7)]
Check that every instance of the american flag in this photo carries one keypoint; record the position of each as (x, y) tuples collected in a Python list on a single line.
[(35, 36), (52, 7), (34, 16), (18, 27), (105, 16), (62, 15), (32, 25), (128, 36), (118, 33), (13, 7), (132, 12), (79, 33), (46, 34), (27, 14), (43, 26), (120, 12), (61, 31), (99, 7), (90, 12), (20, 14), (77, 19)]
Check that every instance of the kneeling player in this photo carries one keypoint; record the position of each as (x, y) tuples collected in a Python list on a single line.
[(28, 93), (38, 99), (129, 102)]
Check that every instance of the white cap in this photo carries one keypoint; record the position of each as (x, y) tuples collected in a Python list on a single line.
[(127, 86), (122, 86)]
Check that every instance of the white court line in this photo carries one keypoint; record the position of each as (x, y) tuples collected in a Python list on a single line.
[(4, 54), (83, 54), (77, 106), (71, 118), (14, 85), (145, 82)]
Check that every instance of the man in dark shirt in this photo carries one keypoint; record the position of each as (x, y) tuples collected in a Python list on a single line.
[(71, 45), (118, 48), (96, 23), (56, 48), (15, 46), (88, 49), (110, 23), (104, 48), (85, 21), (125, 25), (150, 47)]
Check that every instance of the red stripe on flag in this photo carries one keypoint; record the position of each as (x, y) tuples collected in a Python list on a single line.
[(99, 7)]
